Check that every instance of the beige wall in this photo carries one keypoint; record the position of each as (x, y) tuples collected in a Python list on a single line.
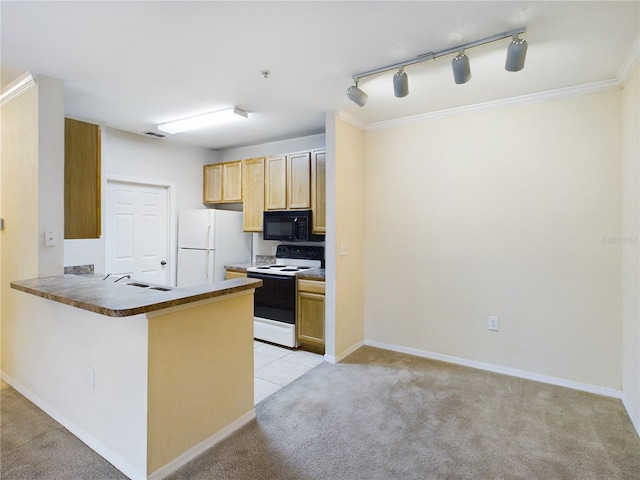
[(31, 161), (629, 246), (346, 173), (200, 374), (500, 213)]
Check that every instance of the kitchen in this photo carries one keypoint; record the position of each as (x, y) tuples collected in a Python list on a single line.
[(527, 231)]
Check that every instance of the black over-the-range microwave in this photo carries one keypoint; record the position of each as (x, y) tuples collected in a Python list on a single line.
[(289, 226)]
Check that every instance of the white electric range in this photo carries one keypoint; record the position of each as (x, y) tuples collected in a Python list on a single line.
[(275, 302)]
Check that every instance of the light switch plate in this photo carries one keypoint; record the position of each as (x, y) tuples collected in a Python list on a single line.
[(50, 239)]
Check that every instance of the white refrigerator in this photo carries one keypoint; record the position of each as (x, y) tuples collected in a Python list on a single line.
[(207, 241)]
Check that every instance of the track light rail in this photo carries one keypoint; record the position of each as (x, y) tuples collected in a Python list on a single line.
[(433, 55)]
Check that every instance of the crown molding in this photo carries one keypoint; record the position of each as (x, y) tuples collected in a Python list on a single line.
[(561, 93), (351, 120), (630, 63), (16, 88)]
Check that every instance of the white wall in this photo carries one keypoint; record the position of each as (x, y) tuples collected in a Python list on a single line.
[(273, 148), (629, 245), (148, 159), (500, 213)]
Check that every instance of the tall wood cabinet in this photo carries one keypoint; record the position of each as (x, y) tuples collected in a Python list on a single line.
[(253, 186), (82, 197), (276, 182), (223, 182)]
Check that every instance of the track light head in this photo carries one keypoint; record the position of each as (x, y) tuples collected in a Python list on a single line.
[(357, 96), (516, 54), (461, 68), (400, 84)]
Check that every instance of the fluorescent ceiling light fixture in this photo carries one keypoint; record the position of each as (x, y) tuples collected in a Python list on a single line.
[(204, 120), (21, 84)]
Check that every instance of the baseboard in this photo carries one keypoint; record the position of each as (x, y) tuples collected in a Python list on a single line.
[(513, 372), (201, 447), (113, 458), (632, 415), (343, 355)]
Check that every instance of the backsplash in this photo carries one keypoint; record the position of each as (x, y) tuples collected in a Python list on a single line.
[(79, 270), (265, 259)]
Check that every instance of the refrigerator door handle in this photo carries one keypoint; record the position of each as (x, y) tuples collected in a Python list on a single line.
[(206, 265)]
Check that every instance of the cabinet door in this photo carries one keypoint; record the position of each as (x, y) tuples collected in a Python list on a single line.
[(232, 181), (253, 195), (318, 189), (311, 318), (276, 183), (82, 217), (299, 180), (212, 183)]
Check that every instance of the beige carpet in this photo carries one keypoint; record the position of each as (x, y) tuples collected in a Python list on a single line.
[(384, 415)]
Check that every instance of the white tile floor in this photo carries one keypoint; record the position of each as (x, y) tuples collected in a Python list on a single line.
[(274, 367)]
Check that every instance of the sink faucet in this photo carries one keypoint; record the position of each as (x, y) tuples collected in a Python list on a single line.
[(124, 276)]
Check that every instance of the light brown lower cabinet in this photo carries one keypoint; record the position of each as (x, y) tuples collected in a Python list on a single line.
[(231, 274), (310, 313)]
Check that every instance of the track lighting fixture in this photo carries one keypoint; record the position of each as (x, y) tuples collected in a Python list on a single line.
[(516, 54), (400, 84), (461, 68), (357, 96)]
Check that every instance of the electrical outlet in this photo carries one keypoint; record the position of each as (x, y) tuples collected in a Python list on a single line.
[(493, 323), (274, 250), (343, 249)]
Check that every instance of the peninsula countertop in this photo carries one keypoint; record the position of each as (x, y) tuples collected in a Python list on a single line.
[(90, 292)]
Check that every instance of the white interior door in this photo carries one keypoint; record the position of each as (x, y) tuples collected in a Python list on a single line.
[(137, 231)]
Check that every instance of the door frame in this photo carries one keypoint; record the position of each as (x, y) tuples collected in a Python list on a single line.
[(172, 243)]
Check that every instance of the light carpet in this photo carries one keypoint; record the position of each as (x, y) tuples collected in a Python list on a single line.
[(378, 415)]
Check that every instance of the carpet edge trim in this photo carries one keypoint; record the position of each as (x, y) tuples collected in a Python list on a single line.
[(92, 442), (512, 372), (201, 447)]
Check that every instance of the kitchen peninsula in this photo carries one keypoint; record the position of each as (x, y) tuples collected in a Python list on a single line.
[(147, 376)]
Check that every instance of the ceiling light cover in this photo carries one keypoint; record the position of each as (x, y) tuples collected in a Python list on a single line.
[(357, 96), (516, 54), (204, 120), (461, 68), (400, 84)]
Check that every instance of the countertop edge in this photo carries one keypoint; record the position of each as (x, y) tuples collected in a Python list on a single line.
[(236, 285)]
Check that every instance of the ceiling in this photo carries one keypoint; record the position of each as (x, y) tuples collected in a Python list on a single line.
[(132, 65)]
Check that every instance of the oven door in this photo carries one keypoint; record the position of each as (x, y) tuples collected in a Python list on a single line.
[(276, 299)]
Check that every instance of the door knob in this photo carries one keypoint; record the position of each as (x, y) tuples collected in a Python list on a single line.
[(163, 263)]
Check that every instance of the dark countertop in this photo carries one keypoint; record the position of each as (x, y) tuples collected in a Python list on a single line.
[(316, 274), (90, 292)]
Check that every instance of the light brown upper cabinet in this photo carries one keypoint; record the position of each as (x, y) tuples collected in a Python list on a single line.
[(299, 181), (318, 191), (253, 198), (276, 182), (288, 182), (223, 182), (81, 180)]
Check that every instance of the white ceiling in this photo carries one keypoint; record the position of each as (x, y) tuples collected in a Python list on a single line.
[(131, 65)]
